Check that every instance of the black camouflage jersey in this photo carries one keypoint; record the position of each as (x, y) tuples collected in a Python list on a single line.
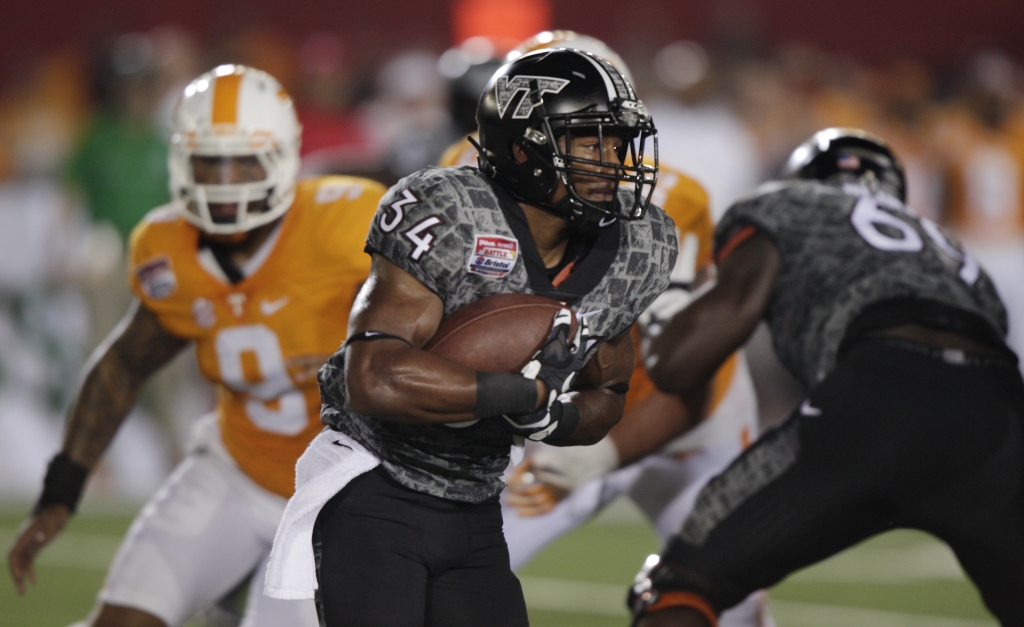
[(464, 238), (845, 250)]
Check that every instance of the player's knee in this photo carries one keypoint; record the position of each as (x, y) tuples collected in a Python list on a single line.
[(666, 595), (121, 616)]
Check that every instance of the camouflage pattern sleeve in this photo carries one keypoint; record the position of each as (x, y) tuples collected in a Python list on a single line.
[(416, 227)]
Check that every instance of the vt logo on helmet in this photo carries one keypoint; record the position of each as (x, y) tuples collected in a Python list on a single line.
[(507, 89), (564, 116)]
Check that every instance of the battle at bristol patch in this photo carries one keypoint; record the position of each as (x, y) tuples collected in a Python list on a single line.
[(494, 256), (157, 278)]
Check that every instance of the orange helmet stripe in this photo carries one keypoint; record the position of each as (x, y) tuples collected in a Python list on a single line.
[(225, 99)]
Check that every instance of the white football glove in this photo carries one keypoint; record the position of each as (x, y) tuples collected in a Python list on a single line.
[(556, 364)]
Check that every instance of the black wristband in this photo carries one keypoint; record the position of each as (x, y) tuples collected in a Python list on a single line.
[(64, 482), (500, 393), (567, 422)]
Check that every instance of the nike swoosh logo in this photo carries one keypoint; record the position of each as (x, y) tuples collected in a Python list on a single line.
[(583, 316), (271, 307), (338, 442), (602, 223), (806, 409)]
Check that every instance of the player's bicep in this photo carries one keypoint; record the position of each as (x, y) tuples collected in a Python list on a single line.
[(387, 376), (139, 345), (747, 267), (395, 302)]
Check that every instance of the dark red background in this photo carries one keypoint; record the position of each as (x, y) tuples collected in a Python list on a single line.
[(874, 30)]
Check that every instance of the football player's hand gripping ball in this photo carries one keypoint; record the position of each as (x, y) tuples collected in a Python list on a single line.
[(557, 362)]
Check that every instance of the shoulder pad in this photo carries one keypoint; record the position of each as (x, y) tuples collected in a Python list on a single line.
[(164, 213), (330, 190), (168, 214), (675, 184)]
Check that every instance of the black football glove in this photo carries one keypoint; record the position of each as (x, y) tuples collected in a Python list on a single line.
[(556, 364), (561, 356), (555, 421)]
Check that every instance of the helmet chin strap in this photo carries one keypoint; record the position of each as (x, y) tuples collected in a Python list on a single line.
[(579, 219)]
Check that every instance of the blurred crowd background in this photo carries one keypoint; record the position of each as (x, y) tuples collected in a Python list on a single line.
[(382, 88)]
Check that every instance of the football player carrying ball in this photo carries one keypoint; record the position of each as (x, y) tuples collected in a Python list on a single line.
[(399, 500), (666, 446)]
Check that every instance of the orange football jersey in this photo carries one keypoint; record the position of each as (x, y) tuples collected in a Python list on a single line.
[(686, 202), (263, 339), (985, 186)]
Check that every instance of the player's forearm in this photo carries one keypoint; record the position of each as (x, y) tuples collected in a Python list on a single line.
[(107, 395), (696, 342), (600, 410), (698, 339), (136, 348), (654, 422), (407, 384), (405, 392)]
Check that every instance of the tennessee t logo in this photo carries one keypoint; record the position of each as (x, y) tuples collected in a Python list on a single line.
[(505, 90)]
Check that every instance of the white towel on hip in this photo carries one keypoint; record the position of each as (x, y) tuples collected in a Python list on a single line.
[(331, 460)]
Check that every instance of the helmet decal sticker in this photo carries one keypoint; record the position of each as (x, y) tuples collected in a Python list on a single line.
[(505, 90)]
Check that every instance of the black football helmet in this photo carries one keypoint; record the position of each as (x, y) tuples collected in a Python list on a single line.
[(848, 154), (542, 96)]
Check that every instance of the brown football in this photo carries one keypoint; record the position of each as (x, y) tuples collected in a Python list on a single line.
[(496, 333)]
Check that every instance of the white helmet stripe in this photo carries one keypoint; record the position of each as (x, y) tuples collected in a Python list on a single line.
[(609, 85)]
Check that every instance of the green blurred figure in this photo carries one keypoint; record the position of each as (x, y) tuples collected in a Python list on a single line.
[(120, 164)]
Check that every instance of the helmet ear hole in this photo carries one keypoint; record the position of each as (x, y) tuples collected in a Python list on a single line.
[(518, 153)]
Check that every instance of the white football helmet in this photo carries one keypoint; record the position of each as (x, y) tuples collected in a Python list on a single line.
[(235, 111)]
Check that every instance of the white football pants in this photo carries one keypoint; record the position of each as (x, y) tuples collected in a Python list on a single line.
[(207, 528)]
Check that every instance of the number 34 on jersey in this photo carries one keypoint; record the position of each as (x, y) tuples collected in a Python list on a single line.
[(392, 217)]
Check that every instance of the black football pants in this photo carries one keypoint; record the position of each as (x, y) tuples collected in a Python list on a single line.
[(899, 435), (388, 556)]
